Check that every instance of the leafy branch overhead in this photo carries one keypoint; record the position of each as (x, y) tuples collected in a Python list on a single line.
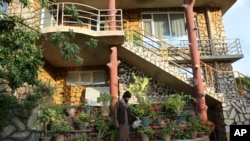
[(70, 51), (21, 57)]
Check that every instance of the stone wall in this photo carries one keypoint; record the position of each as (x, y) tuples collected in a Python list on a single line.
[(215, 42), (236, 109)]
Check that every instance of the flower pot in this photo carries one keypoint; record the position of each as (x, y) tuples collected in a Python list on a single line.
[(82, 125), (71, 111), (145, 121), (144, 137), (200, 134), (166, 137), (193, 134)]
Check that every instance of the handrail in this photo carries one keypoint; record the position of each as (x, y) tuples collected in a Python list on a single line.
[(211, 76), (85, 16), (136, 37)]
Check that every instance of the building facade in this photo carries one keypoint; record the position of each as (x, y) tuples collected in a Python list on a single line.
[(147, 38)]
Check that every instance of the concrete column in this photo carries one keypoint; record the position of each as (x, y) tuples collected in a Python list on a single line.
[(113, 67), (112, 17)]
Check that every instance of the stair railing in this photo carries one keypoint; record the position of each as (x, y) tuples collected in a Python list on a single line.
[(216, 81)]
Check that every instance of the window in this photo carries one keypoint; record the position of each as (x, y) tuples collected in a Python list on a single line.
[(169, 26), (95, 77)]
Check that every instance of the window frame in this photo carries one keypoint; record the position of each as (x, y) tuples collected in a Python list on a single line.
[(79, 78), (169, 21)]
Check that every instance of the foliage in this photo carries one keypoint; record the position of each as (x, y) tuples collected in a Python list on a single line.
[(82, 137), (72, 11), (139, 88), (176, 102), (146, 130), (193, 123), (62, 127), (92, 43), (68, 50), (243, 81), (20, 57), (168, 129), (207, 126), (45, 89), (113, 135), (83, 117), (102, 126), (7, 103), (104, 98), (178, 131), (144, 109)]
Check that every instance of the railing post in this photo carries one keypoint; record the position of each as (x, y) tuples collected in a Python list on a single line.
[(57, 14), (62, 13)]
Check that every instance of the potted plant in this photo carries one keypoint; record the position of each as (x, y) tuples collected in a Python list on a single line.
[(49, 115), (144, 111), (167, 131), (85, 107), (71, 110), (105, 99), (146, 133), (175, 104), (102, 126), (60, 128), (81, 121), (193, 126)]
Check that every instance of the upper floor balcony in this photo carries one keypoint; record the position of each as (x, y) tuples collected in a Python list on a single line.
[(108, 26), (82, 19)]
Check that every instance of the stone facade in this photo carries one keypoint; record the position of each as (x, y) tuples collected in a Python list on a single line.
[(231, 110)]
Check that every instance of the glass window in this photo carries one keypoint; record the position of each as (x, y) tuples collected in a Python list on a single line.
[(94, 77), (165, 25)]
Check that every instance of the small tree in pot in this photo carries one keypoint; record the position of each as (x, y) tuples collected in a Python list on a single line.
[(105, 99)]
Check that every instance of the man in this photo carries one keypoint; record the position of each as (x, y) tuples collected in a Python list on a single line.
[(121, 117)]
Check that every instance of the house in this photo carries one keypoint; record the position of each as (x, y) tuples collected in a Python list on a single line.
[(148, 38)]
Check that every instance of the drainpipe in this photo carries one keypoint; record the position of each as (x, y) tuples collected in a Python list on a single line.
[(195, 58), (113, 64)]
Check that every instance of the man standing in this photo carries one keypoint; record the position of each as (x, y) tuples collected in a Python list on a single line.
[(121, 117)]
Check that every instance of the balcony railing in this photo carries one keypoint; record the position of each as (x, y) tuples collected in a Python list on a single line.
[(211, 47), (71, 14)]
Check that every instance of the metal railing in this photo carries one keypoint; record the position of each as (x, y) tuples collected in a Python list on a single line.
[(211, 47), (145, 42), (218, 81), (71, 14)]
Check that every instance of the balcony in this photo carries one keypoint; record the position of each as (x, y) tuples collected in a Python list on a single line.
[(228, 50), (81, 18)]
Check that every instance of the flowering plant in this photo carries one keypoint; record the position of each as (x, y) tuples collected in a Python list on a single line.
[(207, 126), (144, 109), (168, 129), (194, 123), (146, 130)]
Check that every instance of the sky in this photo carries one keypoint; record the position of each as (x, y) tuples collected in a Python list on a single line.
[(237, 25)]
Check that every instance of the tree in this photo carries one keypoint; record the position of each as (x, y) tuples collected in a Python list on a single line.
[(20, 56)]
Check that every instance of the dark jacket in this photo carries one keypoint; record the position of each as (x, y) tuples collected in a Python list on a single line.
[(121, 114)]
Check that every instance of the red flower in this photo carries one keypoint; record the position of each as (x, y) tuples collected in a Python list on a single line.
[(25, 93)]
